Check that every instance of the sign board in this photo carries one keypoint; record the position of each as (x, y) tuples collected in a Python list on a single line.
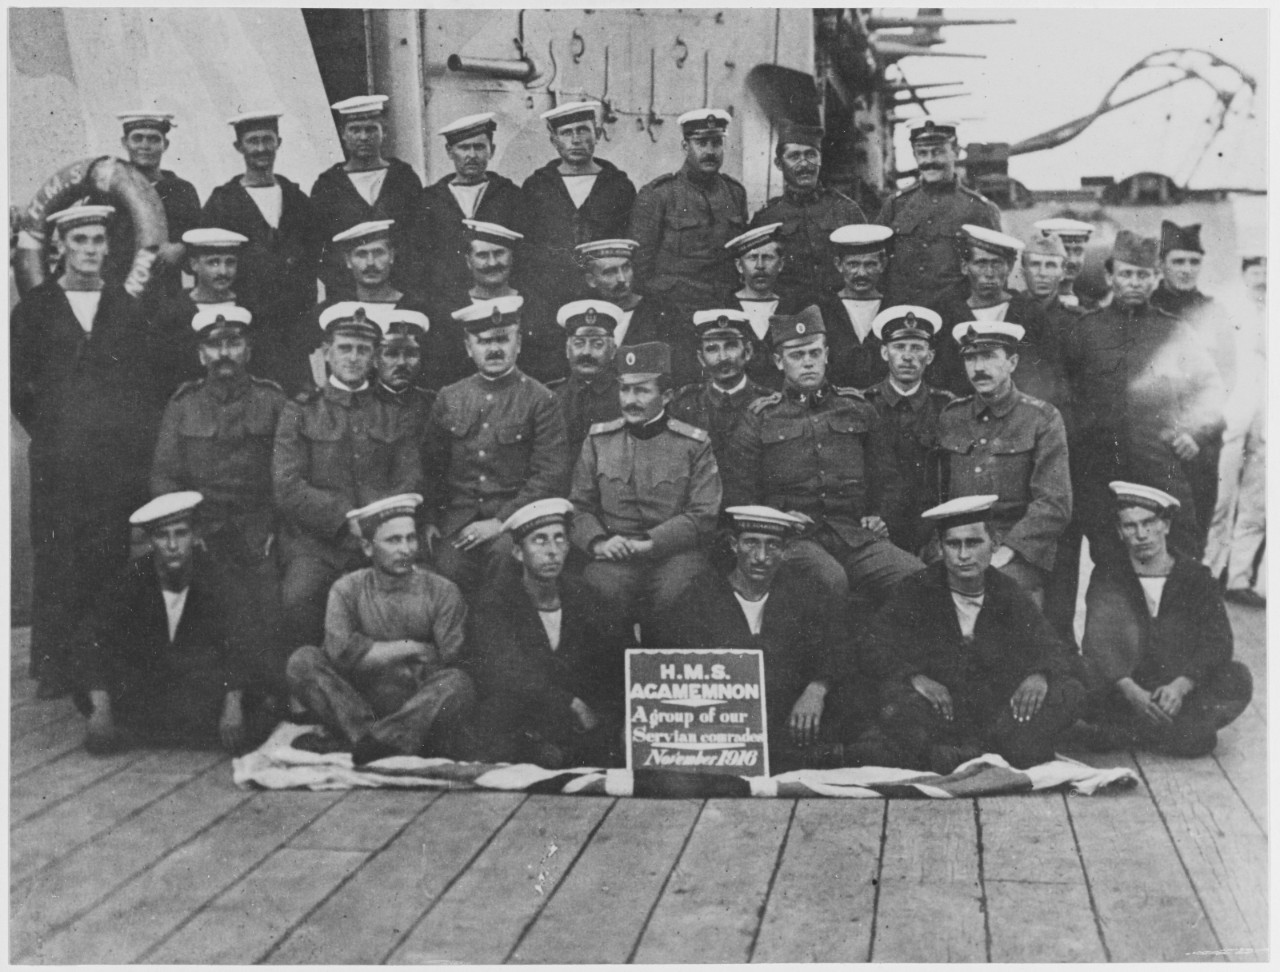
[(697, 711)]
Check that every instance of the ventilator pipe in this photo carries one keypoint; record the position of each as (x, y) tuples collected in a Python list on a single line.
[(520, 69)]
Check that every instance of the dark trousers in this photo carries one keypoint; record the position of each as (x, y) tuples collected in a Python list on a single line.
[(521, 727), (254, 576), (472, 569)]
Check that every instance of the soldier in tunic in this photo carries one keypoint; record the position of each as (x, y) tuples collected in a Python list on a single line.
[(399, 366), (861, 258), (575, 198), (590, 394), (808, 213), (366, 187), (1074, 236), (926, 217), (683, 220), (757, 255)]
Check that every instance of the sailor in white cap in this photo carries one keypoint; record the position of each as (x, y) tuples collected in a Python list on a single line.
[(384, 682), (861, 256), (757, 256), (683, 220), (590, 393), (1074, 235)]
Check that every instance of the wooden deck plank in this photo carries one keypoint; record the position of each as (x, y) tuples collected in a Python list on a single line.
[(365, 919), (45, 744), (822, 904), (482, 916), (364, 821), (26, 718), (930, 868), (1242, 755), (1038, 905), (1145, 904), (148, 908), (711, 907), (51, 784), (613, 885)]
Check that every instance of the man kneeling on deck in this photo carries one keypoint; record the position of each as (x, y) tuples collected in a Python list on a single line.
[(1157, 641), (968, 665), (383, 682), (547, 653), (168, 654)]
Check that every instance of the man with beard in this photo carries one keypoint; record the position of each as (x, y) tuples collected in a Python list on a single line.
[(757, 255), (683, 220), (1074, 235), (572, 199), (808, 213), (494, 442), (926, 217), (590, 393), (399, 366), (277, 268), (364, 188), (470, 192), (647, 492), (861, 257)]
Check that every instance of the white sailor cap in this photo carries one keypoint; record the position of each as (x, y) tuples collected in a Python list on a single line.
[(1001, 244), (81, 215), (1148, 497), (403, 326), (973, 336), (906, 321), (165, 509), (351, 317), (469, 126), (603, 249), (212, 238), (361, 107), (491, 233), (931, 129), (253, 120), (722, 320), (361, 233), (861, 238), (763, 519), (485, 315), (209, 320), (1067, 230), (160, 121), (536, 515), (365, 521), (586, 314), (576, 111), (746, 242), (961, 510), (704, 121)]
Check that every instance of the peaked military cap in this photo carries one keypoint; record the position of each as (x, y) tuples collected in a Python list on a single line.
[(207, 321), (581, 315), (906, 321), (485, 315), (722, 320), (402, 326), (977, 335), (350, 317), (932, 130), (704, 121)]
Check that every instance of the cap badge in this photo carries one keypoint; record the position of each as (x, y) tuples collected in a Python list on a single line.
[(496, 316), (591, 315), (910, 319), (800, 328), (359, 317), (631, 358), (722, 321), (219, 320)]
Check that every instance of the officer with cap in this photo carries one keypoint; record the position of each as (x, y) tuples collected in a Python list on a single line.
[(366, 187), (927, 216), (399, 365), (494, 442), (647, 491), (184, 674), (337, 447), (757, 255), (1074, 235), (83, 383), (1001, 440), (861, 258), (385, 681), (683, 220), (809, 213), (574, 198), (1157, 639), (909, 409), (471, 191), (548, 656), (967, 664), (590, 393)]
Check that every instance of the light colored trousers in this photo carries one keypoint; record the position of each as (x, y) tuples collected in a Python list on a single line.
[(1240, 519)]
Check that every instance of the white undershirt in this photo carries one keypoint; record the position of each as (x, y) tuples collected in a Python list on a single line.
[(991, 313), (551, 624), (754, 610), (1152, 590), (174, 602), (967, 608), (270, 202), (758, 313), (341, 387), (84, 304), (368, 184), (624, 325), (861, 313), (468, 197), (579, 186)]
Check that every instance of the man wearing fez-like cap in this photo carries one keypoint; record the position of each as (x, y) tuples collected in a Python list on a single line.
[(682, 220), (757, 255), (766, 601), (168, 652), (590, 393), (573, 198), (85, 384), (471, 191), (808, 212), (820, 451), (1074, 235), (547, 655), (860, 257), (1006, 685), (647, 492), (494, 442), (337, 446), (927, 217), (385, 681), (367, 186), (1000, 440), (1142, 407), (1157, 639)]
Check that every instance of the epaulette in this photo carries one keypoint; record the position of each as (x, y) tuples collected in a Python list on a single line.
[(1038, 403), (266, 383), (907, 191), (875, 391), (600, 428), (848, 391), (958, 401), (760, 404), (946, 396), (310, 395), (687, 430), (555, 383), (690, 389), (661, 180), (187, 387)]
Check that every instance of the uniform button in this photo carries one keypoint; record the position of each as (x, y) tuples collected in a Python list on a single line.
[(485, 426), (482, 479), (480, 453), (976, 469), (980, 442), (488, 398)]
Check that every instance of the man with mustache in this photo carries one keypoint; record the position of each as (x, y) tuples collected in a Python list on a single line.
[(926, 217), (861, 257), (399, 366), (494, 442), (277, 269), (809, 214), (647, 492), (1001, 440), (590, 393), (757, 255), (1074, 235)]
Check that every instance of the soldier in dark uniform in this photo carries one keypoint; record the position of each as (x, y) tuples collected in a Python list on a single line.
[(471, 192), (494, 442), (363, 188), (757, 255), (277, 269), (909, 409), (590, 393), (683, 220), (336, 448), (926, 218), (399, 365), (647, 493), (809, 214), (854, 351), (575, 198), (1074, 235)]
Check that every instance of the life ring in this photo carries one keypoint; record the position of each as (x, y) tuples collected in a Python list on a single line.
[(140, 227)]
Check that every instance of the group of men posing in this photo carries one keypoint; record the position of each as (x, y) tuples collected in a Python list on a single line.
[(430, 550)]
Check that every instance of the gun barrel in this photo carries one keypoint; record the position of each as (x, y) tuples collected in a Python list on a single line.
[(512, 70), (891, 49), (882, 22)]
